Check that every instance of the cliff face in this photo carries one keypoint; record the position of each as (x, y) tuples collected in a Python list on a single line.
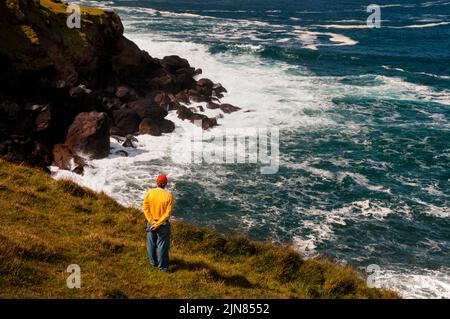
[(42, 53), (52, 74)]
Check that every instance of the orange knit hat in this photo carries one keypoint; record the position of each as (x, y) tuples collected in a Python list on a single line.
[(161, 180)]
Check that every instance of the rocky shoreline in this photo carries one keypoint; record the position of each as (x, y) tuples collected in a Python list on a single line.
[(65, 91)]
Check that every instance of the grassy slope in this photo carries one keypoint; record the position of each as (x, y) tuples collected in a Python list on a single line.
[(47, 225)]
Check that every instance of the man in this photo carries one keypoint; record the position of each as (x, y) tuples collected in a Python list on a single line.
[(158, 205)]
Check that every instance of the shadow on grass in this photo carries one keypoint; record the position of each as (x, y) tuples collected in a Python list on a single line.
[(210, 273)]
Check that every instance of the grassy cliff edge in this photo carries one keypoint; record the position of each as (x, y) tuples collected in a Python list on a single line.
[(46, 225)]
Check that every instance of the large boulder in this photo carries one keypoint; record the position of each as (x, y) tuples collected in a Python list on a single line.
[(173, 63), (205, 87), (89, 135), (148, 126), (126, 121), (148, 108), (166, 126)]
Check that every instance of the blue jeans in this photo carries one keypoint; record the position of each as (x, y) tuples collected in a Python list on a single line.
[(159, 240)]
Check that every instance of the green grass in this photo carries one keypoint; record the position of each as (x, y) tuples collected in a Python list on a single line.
[(47, 225)]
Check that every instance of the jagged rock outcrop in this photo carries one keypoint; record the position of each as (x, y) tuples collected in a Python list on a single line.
[(89, 135), (50, 74)]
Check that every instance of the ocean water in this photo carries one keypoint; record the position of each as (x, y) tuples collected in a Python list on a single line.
[(363, 116)]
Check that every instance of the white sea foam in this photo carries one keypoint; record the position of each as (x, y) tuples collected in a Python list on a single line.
[(416, 283), (342, 26), (416, 26), (365, 26), (311, 41), (443, 77), (320, 224), (276, 98), (412, 5)]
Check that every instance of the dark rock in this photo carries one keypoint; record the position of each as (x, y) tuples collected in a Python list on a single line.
[(9, 110), (217, 96), (213, 106), (201, 108), (129, 139), (205, 83), (43, 120), (47, 105), (111, 103), (173, 106), (119, 139), (183, 97), (161, 98), (206, 122), (132, 138), (89, 135), (36, 107), (195, 96), (79, 90), (166, 126), (65, 159), (184, 81), (185, 114), (126, 121), (115, 131), (130, 64), (187, 71), (218, 88), (174, 63), (218, 91), (148, 126), (62, 156), (116, 24), (124, 92), (228, 108), (78, 170), (146, 108), (205, 87), (167, 82)]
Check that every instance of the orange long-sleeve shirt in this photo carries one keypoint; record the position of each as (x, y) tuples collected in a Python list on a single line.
[(157, 206)]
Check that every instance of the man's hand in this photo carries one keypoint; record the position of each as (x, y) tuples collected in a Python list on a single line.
[(153, 228)]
